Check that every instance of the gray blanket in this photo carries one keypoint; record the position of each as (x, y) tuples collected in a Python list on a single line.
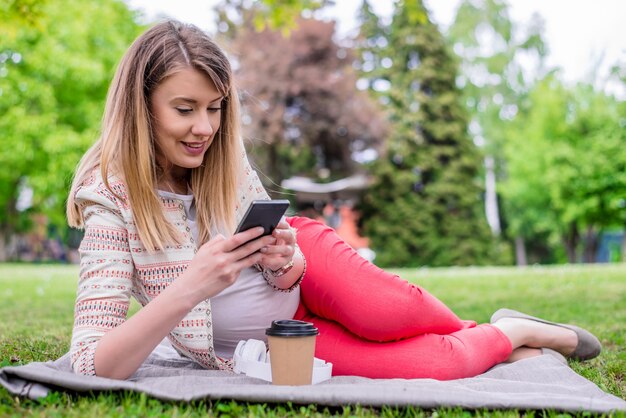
[(537, 383)]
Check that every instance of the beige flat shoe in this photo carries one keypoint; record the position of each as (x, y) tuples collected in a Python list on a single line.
[(588, 345)]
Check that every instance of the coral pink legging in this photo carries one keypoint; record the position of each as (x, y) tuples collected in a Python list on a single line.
[(374, 324)]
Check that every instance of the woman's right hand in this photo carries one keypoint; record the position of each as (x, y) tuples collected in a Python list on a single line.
[(218, 263), (216, 266)]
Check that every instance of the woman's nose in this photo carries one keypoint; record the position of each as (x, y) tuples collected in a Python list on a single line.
[(202, 126)]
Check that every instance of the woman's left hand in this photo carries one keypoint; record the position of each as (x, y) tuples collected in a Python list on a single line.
[(280, 253)]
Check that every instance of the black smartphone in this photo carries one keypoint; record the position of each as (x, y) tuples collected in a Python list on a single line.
[(265, 213)]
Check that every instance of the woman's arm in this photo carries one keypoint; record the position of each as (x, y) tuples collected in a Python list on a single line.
[(104, 342), (121, 350), (105, 281), (216, 266)]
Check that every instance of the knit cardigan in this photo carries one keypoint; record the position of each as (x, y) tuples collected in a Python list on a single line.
[(115, 265)]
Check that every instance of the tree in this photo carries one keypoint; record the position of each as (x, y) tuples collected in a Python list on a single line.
[(275, 15), (500, 62), (371, 44), (22, 12), (618, 76), (54, 72), (566, 168), (301, 103), (425, 207)]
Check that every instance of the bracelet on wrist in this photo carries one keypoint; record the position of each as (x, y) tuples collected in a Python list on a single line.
[(281, 271), (269, 275)]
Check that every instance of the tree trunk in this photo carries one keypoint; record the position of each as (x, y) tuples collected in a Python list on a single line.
[(8, 243), (491, 200), (3, 248), (624, 245), (520, 252), (570, 242), (591, 241)]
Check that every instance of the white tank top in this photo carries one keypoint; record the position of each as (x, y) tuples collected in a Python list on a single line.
[(245, 309)]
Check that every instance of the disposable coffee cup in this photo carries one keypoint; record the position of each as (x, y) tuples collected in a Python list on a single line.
[(292, 350)]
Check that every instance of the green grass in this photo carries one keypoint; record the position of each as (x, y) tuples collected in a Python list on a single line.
[(36, 313)]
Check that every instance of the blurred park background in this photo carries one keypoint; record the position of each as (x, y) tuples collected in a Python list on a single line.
[(423, 146)]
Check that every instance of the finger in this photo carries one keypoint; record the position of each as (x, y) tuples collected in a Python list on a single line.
[(283, 225), (241, 238), (282, 250), (288, 236), (249, 260), (252, 246), (213, 242)]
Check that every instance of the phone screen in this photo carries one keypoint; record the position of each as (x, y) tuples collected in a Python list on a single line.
[(265, 213)]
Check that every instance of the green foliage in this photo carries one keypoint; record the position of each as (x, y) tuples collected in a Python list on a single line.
[(557, 152), (282, 14), (425, 205), (273, 15), (22, 12), (37, 313), (54, 74), (566, 165), (491, 49)]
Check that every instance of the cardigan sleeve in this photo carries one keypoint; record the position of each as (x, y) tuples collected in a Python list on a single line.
[(106, 272)]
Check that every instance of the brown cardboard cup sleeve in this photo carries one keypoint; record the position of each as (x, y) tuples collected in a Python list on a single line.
[(292, 351)]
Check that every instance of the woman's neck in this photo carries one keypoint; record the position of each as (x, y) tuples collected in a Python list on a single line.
[(173, 184), (172, 178)]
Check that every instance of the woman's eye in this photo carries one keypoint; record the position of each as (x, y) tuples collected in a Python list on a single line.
[(214, 109), (183, 110)]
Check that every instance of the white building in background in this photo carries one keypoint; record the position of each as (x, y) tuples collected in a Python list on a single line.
[(335, 201)]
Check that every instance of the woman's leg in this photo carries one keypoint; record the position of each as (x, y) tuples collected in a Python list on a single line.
[(374, 324), (341, 286), (464, 353)]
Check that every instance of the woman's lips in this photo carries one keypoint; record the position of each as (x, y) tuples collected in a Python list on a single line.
[(195, 148)]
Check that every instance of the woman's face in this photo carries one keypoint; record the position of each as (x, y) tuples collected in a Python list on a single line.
[(186, 109)]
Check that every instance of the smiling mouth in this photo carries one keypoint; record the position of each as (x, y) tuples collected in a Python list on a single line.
[(196, 145), (195, 148)]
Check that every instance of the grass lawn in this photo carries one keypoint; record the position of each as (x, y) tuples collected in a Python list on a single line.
[(36, 312)]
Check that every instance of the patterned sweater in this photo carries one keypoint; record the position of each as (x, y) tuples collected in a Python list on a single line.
[(114, 265)]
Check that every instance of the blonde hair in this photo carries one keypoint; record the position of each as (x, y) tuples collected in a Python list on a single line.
[(126, 145)]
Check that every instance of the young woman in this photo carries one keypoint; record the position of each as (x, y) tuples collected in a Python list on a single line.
[(159, 195)]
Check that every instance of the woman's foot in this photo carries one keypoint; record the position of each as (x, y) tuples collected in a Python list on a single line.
[(525, 330)]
